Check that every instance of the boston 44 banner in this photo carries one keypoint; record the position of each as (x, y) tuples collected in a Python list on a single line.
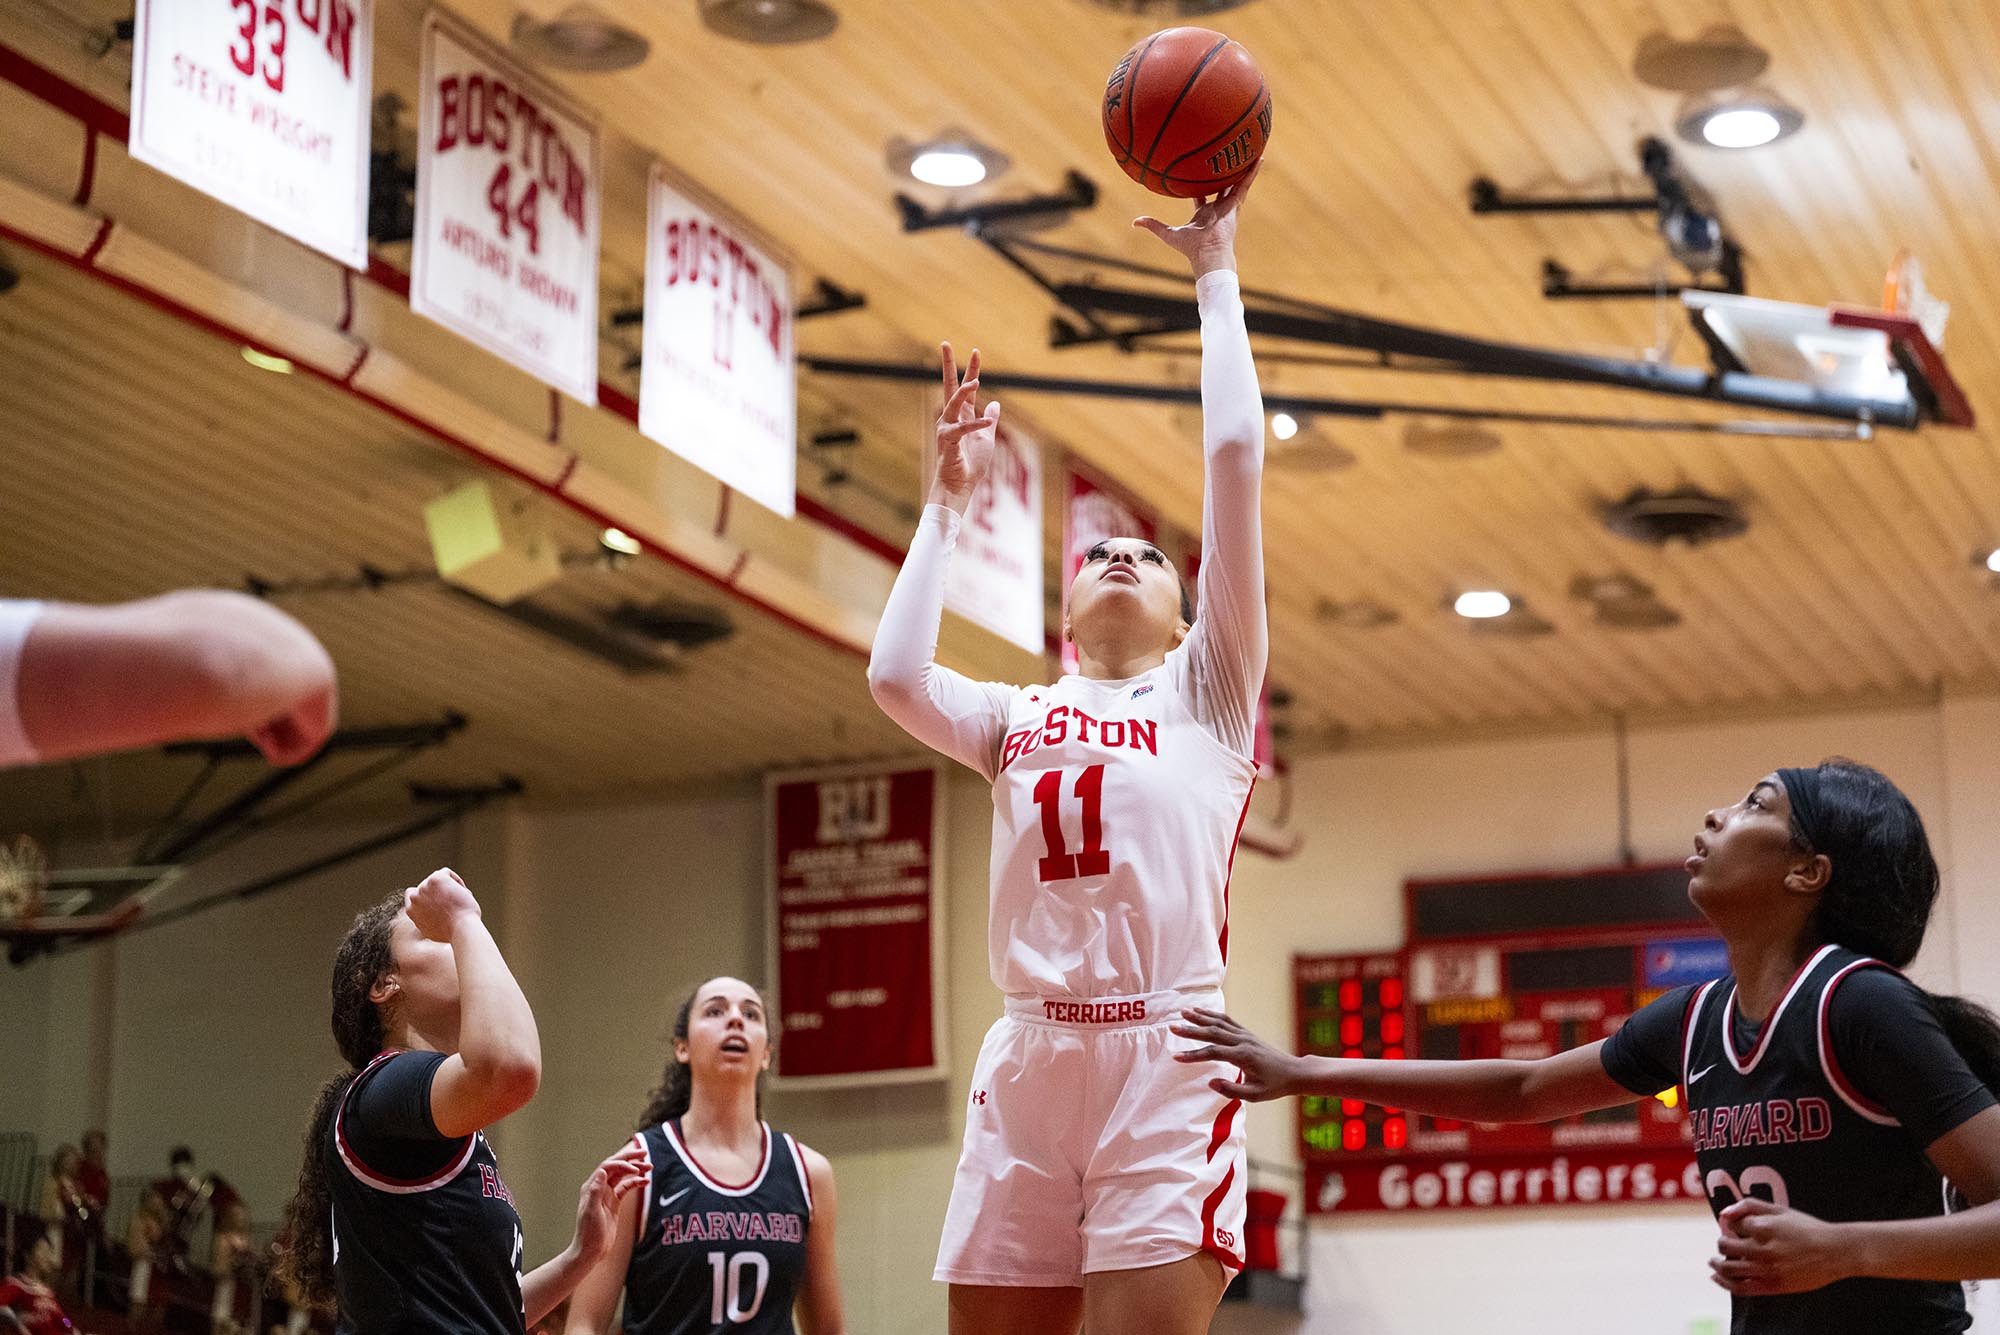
[(857, 924), (995, 578), (718, 383), (507, 187), (264, 105)]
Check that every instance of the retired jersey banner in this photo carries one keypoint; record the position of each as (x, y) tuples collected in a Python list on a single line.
[(857, 924), (1093, 512), (718, 383), (264, 105), (995, 577), (507, 187)]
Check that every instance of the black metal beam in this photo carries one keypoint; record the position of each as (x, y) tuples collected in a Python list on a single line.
[(347, 739), (1347, 329), (1312, 405), (1078, 192), (1487, 197)]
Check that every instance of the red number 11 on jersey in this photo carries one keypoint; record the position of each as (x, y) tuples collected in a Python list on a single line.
[(1094, 859)]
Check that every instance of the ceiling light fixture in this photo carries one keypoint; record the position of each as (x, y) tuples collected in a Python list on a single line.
[(1482, 604), (1741, 118), (770, 22), (951, 160), (580, 38), (264, 361), (1992, 561), (618, 541), (1284, 426)]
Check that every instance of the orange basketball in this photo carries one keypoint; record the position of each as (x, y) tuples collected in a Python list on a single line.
[(1187, 112)]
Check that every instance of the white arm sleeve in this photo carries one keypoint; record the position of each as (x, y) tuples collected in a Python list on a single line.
[(16, 620), (945, 710), (1227, 650)]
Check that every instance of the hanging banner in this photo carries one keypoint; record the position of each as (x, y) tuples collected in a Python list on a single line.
[(718, 383), (1093, 512), (857, 924), (995, 577), (507, 189), (264, 105)]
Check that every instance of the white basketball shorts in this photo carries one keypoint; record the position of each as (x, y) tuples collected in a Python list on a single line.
[(1088, 1148)]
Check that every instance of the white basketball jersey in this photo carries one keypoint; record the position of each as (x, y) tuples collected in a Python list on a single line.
[(1115, 819)]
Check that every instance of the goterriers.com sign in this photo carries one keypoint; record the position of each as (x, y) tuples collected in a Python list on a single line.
[(507, 190), (1425, 1185)]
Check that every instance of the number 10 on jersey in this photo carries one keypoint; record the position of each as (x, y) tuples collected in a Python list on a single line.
[(1093, 859)]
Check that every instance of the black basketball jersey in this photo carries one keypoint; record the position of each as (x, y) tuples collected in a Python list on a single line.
[(711, 1257), (425, 1236), (1773, 1115)]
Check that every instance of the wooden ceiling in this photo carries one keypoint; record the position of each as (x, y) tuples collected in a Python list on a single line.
[(1854, 581)]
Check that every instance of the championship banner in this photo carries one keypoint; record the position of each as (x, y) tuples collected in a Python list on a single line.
[(857, 924), (262, 104), (1091, 513), (995, 577), (507, 188), (718, 383)]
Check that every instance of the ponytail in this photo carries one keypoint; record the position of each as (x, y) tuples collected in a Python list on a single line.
[(305, 1257), (1883, 886)]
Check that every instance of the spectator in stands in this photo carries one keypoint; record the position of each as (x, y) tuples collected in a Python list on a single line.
[(234, 1262), (28, 1305), (94, 1178), (62, 1207)]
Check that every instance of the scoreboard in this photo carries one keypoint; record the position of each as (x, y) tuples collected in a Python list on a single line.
[(1519, 968)]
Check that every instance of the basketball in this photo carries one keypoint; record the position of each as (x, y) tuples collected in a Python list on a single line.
[(1187, 112)]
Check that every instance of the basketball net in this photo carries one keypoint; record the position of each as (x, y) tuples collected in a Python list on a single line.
[(24, 875), (1903, 291)]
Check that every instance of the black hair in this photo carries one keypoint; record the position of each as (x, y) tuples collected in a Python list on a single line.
[(180, 1154), (32, 1236), (1883, 886), (676, 1089), (305, 1260)]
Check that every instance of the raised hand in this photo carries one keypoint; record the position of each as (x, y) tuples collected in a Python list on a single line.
[(964, 434), (1262, 1071), (597, 1203), (436, 905), (1207, 240)]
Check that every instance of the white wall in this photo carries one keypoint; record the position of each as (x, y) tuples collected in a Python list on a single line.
[(610, 914)]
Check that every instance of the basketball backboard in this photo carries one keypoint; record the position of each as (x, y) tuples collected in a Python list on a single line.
[(40, 907), (1853, 351)]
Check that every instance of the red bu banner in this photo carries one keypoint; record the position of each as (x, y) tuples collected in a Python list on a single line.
[(264, 105), (1430, 1185), (857, 926), (507, 186), (1091, 513), (718, 379)]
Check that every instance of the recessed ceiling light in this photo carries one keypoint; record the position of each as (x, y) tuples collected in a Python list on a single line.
[(1746, 118), (1284, 426), (1993, 560), (1482, 604), (619, 541), (264, 361), (953, 168), (951, 160)]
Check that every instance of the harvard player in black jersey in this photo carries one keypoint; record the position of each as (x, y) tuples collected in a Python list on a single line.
[(402, 1222), (734, 1228), (1834, 1104)]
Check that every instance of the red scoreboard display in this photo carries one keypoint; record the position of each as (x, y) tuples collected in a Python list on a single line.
[(1511, 967)]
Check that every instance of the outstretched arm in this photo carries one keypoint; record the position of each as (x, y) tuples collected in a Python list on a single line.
[(1474, 1091), (1231, 638), (201, 663), (945, 710)]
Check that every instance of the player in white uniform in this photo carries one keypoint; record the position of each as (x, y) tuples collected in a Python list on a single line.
[(1098, 1182), (80, 680)]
